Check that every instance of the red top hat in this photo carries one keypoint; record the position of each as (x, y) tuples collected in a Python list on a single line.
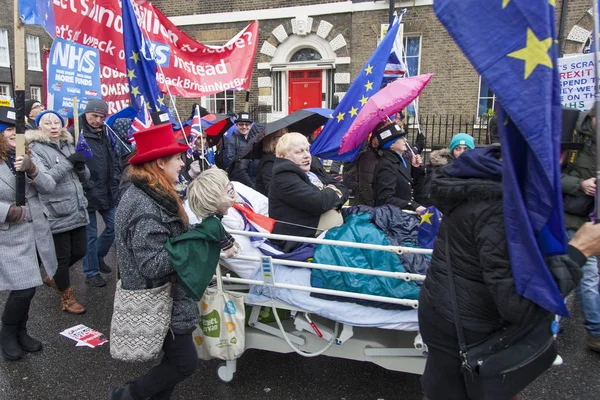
[(156, 142)]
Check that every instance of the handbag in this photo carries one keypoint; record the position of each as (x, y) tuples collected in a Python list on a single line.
[(140, 322), (580, 204), (502, 365), (221, 332)]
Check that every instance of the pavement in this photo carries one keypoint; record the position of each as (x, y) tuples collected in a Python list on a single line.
[(63, 371)]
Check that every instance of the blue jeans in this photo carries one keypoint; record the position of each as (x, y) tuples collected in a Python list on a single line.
[(588, 294), (98, 246)]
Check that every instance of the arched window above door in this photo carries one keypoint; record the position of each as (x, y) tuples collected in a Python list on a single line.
[(306, 54)]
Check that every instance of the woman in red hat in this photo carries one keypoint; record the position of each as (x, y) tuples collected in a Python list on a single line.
[(149, 213)]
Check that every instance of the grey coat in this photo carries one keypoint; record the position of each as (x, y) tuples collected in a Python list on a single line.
[(141, 254), (66, 204), (19, 268)]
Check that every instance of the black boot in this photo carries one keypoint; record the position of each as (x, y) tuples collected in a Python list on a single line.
[(124, 393), (26, 342), (10, 343)]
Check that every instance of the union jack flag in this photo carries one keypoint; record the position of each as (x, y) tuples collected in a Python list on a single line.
[(195, 132), (395, 67), (141, 121)]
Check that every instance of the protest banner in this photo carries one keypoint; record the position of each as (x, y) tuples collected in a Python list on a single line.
[(186, 67), (74, 70), (577, 80)]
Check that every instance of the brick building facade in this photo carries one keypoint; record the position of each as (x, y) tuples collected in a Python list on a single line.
[(36, 39), (344, 34)]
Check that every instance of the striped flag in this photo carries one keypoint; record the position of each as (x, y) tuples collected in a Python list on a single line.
[(395, 67), (141, 121), (195, 132)]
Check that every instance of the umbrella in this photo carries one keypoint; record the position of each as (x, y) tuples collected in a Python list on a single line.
[(388, 101), (302, 121), (215, 132)]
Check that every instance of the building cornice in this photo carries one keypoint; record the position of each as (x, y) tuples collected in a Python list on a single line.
[(292, 12)]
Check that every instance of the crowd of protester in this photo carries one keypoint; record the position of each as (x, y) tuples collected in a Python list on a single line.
[(140, 199)]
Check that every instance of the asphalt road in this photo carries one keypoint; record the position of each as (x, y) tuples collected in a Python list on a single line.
[(63, 371)]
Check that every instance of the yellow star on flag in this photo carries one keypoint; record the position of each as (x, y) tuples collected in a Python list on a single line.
[(505, 3), (353, 111), (340, 117), (161, 101), (426, 218), (131, 74), (552, 3), (369, 69), (534, 53), (135, 56), (363, 101), (157, 108), (369, 85), (135, 91), (148, 106)]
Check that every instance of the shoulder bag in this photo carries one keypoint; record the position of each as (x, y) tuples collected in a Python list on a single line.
[(141, 318), (502, 365)]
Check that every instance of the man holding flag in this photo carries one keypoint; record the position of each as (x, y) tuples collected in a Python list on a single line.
[(102, 189)]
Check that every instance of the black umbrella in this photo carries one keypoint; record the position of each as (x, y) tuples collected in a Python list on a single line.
[(302, 121)]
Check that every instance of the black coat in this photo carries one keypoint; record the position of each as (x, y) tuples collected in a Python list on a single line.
[(292, 198), (393, 182), (264, 173), (474, 223), (367, 163), (102, 189)]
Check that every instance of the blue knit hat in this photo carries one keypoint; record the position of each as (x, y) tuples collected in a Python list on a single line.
[(462, 139), (40, 115)]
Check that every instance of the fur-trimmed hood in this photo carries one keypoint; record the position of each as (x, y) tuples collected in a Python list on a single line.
[(439, 158), (37, 135)]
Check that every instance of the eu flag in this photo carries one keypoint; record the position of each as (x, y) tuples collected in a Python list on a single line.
[(141, 66), (38, 12), (83, 147), (430, 225), (511, 44), (366, 84)]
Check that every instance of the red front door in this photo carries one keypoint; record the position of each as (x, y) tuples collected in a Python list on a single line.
[(305, 90)]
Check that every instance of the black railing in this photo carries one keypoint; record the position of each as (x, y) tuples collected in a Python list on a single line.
[(439, 129)]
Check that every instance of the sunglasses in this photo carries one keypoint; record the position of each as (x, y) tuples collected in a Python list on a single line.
[(230, 189)]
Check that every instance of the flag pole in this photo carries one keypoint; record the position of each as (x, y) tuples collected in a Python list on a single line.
[(597, 103), (19, 97), (76, 119)]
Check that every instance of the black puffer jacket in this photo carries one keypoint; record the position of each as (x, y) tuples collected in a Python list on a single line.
[(474, 223), (102, 189), (367, 162), (436, 159), (293, 198)]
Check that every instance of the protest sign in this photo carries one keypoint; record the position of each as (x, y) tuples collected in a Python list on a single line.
[(187, 67), (84, 336), (577, 80), (74, 70)]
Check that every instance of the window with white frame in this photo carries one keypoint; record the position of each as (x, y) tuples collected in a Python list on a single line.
[(487, 100), (4, 49), (412, 54), (34, 62), (221, 103), (36, 93), (5, 90)]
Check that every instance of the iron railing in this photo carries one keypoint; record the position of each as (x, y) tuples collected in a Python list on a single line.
[(439, 129)]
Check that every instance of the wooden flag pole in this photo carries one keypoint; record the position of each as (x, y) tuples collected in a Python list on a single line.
[(596, 50), (76, 120), (19, 97)]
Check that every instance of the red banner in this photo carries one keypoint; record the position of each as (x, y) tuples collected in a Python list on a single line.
[(188, 68)]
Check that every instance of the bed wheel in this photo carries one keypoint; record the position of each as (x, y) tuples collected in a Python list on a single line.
[(223, 373)]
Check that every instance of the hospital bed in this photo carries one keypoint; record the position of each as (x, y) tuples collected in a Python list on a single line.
[(388, 338)]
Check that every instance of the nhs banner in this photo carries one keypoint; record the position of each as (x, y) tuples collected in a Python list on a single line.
[(74, 70)]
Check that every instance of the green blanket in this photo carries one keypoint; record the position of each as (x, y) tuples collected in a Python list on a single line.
[(195, 255)]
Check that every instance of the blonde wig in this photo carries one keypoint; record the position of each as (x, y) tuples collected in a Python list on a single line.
[(205, 193), (288, 142)]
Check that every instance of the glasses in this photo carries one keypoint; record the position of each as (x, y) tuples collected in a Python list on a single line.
[(230, 190), (243, 124), (38, 105)]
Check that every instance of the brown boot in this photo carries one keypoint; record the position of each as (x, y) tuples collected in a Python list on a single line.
[(69, 303), (49, 282)]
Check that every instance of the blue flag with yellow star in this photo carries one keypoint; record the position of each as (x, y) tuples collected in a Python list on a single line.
[(366, 84), (428, 230), (141, 66), (511, 44), (38, 12)]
